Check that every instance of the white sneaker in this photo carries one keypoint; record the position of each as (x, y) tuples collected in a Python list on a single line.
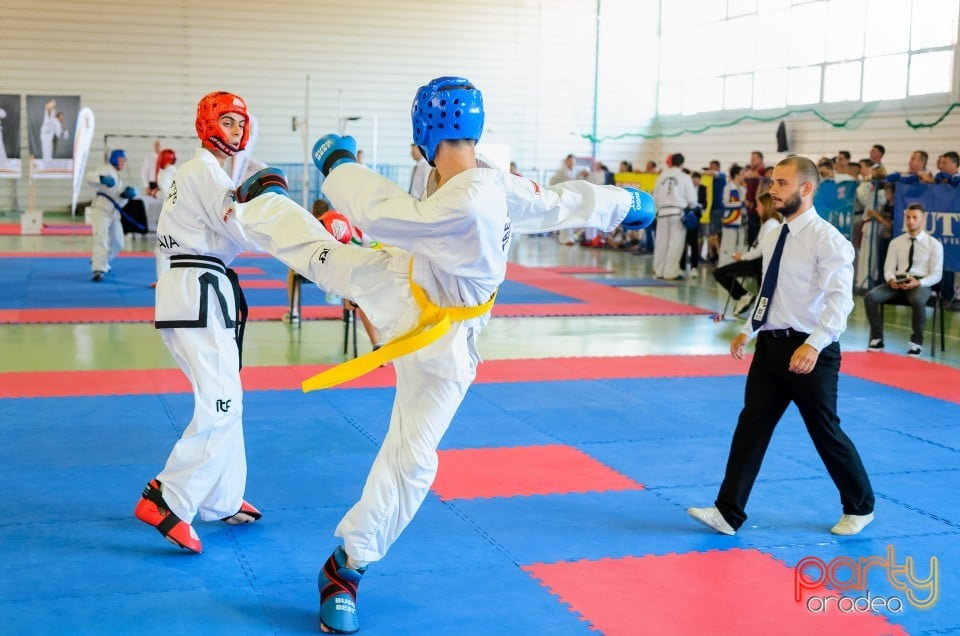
[(290, 318), (712, 518), (915, 350), (851, 524), (876, 344), (743, 304)]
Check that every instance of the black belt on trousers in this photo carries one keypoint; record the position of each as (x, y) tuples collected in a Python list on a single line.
[(206, 280), (785, 333)]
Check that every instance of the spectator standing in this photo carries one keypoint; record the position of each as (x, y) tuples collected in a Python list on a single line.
[(732, 234), (753, 173), (566, 172), (673, 193), (420, 174)]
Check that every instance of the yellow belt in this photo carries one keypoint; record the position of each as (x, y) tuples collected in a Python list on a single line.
[(434, 322)]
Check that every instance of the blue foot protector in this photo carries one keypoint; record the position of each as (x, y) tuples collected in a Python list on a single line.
[(338, 594)]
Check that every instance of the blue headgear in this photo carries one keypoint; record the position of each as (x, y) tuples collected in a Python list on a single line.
[(446, 108), (116, 156)]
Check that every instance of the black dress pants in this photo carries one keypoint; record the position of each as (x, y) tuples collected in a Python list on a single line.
[(769, 390)]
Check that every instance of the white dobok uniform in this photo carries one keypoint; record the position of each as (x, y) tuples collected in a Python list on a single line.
[(164, 183), (105, 218), (458, 238), (673, 193), (198, 307)]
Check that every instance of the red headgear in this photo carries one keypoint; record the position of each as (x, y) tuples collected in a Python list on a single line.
[(209, 111), (165, 158)]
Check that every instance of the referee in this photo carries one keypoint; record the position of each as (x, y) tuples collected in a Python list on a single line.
[(802, 309)]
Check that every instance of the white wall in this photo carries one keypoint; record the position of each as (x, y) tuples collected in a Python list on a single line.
[(142, 66), (808, 135)]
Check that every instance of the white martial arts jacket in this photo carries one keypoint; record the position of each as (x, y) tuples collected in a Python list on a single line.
[(458, 238), (196, 220), (106, 196)]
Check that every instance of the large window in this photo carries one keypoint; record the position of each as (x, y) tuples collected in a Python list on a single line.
[(756, 54)]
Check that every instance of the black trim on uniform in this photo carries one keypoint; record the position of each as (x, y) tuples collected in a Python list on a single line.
[(208, 280)]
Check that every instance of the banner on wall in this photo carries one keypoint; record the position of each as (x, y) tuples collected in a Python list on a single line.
[(10, 167), (646, 181), (49, 122), (834, 202), (82, 141), (942, 203)]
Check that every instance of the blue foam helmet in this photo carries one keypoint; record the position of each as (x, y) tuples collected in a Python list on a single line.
[(446, 108), (116, 156)]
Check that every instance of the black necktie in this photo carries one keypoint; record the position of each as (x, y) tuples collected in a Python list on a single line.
[(769, 281), (913, 242)]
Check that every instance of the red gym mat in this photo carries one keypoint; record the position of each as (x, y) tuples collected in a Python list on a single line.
[(265, 378), (53, 229), (523, 470), (914, 374), (919, 376), (576, 269), (597, 299), (732, 592)]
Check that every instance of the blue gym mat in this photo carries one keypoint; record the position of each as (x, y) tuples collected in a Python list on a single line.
[(77, 562), (64, 282)]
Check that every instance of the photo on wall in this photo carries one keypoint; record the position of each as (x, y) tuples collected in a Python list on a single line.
[(10, 137), (50, 122)]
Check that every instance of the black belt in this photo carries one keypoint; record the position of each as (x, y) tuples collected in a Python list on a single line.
[(208, 281), (785, 333)]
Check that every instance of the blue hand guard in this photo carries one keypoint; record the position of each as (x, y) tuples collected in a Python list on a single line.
[(129, 192), (332, 150), (266, 180), (107, 180), (642, 212)]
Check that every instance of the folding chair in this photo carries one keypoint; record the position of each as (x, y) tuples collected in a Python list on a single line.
[(742, 280), (936, 301), (296, 302), (349, 324)]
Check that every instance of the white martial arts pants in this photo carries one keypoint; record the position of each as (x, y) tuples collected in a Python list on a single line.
[(107, 237), (207, 469), (425, 401), (424, 405), (668, 245), (406, 465)]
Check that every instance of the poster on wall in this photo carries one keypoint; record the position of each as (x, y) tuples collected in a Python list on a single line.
[(50, 119), (9, 136)]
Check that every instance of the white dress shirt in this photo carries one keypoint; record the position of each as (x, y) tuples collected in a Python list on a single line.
[(814, 292), (927, 259), (769, 226)]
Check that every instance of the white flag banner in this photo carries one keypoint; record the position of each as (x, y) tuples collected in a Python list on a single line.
[(82, 140)]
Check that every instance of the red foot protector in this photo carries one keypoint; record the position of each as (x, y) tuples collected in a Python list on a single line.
[(732, 592), (529, 470)]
